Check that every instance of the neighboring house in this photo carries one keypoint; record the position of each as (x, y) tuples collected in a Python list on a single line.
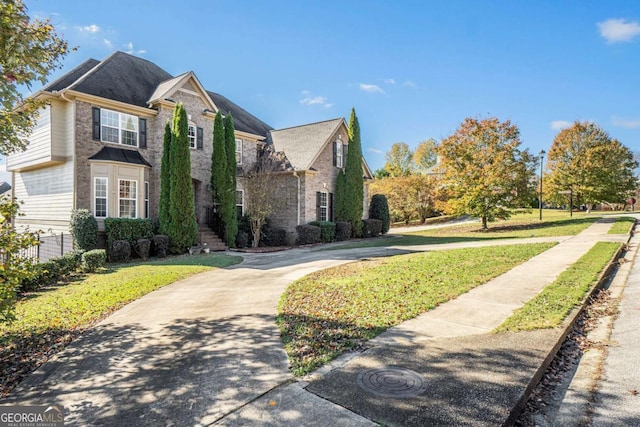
[(98, 146), (4, 187)]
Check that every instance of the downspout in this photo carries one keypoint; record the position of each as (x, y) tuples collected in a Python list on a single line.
[(63, 96), (295, 173)]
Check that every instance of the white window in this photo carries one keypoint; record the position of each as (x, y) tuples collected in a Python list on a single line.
[(324, 206), (117, 127), (192, 136), (146, 199), (238, 151), (240, 202), (338, 154), (127, 198), (100, 200)]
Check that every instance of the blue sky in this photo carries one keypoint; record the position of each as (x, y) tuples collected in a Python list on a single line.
[(412, 69)]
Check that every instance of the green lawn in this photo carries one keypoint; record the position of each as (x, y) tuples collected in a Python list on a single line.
[(328, 312), (48, 319), (622, 225), (551, 306), (520, 225)]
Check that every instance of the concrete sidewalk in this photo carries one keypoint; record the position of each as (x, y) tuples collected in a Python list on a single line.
[(206, 351)]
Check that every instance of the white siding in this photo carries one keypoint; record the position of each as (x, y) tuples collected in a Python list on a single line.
[(62, 124), (47, 196)]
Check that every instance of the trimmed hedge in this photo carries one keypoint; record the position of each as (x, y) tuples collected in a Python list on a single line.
[(84, 229), (274, 236), (120, 251), (343, 231), (161, 245), (93, 260), (372, 227), (327, 230), (129, 229), (50, 272), (308, 234), (242, 239), (379, 209), (143, 247)]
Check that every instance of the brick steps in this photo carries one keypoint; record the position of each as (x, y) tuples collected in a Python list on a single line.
[(214, 243)]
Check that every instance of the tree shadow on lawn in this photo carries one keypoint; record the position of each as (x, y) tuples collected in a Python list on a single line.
[(188, 371)]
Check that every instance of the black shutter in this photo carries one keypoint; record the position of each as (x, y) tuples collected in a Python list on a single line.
[(199, 133), (335, 152), (344, 155), (96, 123), (318, 217), (330, 208), (142, 129)]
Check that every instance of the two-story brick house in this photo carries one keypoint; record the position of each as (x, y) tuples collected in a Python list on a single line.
[(98, 145)]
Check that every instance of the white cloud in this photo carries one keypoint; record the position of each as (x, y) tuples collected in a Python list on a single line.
[(132, 51), (370, 88), (108, 43), (625, 123), (375, 150), (309, 99), (560, 124), (390, 81), (618, 30), (409, 83), (93, 28)]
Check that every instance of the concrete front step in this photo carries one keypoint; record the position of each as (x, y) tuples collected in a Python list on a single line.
[(214, 243)]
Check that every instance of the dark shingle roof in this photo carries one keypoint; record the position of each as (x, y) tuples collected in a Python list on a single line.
[(72, 75), (123, 77), (4, 187), (121, 155), (242, 120), (132, 80)]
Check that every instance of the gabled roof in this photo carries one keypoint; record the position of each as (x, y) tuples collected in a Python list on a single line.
[(113, 154), (132, 80), (242, 120), (302, 144), (4, 187)]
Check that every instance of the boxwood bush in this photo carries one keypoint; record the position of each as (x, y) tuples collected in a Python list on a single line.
[(93, 260), (327, 230), (84, 229), (129, 229), (307, 234), (379, 209), (372, 227), (343, 230), (161, 245)]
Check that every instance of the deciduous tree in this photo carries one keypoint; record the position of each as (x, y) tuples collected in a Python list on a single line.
[(399, 160), (485, 171), (596, 168), (30, 49), (424, 156), (183, 229)]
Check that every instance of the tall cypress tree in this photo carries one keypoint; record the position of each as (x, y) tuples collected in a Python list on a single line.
[(164, 216), (183, 231), (218, 160), (229, 210), (339, 197), (354, 188)]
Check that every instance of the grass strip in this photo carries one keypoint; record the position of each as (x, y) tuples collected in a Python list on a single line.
[(551, 306), (49, 319), (329, 312), (519, 226), (622, 225)]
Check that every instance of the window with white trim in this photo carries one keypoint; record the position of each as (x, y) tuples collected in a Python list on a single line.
[(240, 203), (339, 154), (100, 198), (192, 136), (127, 198), (146, 199), (324, 206), (119, 128), (238, 151)]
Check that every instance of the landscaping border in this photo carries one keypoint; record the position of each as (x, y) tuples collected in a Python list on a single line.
[(566, 328)]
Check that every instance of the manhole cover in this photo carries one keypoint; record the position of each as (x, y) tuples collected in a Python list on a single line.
[(391, 382)]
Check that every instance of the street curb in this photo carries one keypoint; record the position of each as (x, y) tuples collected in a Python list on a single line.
[(568, 325)]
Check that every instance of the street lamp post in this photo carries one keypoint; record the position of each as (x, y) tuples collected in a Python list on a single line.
[(542, 153)]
